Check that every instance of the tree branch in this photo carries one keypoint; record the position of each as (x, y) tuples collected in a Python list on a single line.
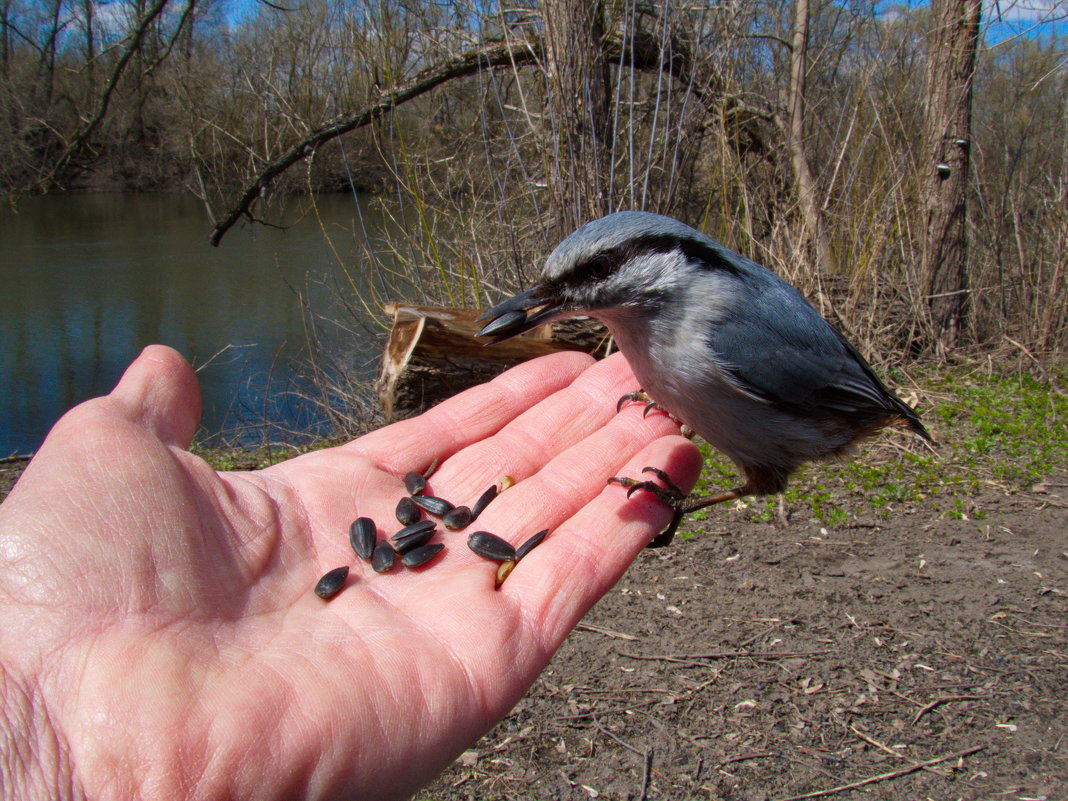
[(494, 54)]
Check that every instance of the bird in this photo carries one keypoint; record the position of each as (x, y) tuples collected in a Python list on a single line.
[(721, 343)]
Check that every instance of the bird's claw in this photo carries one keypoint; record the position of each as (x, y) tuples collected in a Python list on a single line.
[(669, 494), (639, 395)]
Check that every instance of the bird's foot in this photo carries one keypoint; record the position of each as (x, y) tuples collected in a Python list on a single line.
[(672, 496), (641, 396)]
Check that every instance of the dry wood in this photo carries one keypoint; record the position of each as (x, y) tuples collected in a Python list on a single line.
[(894, 774), (432, 353)]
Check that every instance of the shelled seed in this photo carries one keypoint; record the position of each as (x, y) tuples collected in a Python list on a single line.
[(422, 554), (436, 506), (331, 583), (407, 511), (491, 546), (458, 518), (503, 571), (506, 482), (362, 536), (383, 556), (530, 544)]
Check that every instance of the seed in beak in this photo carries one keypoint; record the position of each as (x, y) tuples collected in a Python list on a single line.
[(422, 554), (331, 583), (491, 546), (362, 536), (530, 544), (407, 511), (382, 558)]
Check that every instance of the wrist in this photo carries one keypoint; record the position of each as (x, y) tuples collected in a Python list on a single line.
[(33, 759)]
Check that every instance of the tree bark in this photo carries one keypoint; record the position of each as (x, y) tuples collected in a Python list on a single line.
[(579, 102), (804, 181), (952, 42)]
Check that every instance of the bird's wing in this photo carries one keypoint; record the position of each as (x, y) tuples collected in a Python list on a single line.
[(785, 353)]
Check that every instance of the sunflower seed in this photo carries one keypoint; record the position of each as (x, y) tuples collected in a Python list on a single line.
[(503, 571), (412, 540), (530, 544), (422, 554), (458, 518), (414, 483), (483, 501), (362, 536), (491, 546), (331, 583), (382, 558), (436, 506), (506, 482), (422, 525), (407, 511), (430, 470)]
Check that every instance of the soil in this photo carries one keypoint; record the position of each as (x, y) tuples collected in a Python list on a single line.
[(900, 657)]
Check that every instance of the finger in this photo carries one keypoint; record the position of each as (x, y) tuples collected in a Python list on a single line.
[(470, 416), (558, 582), (540, 434), (160, 392)]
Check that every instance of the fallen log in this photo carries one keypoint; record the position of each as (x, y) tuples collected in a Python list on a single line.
[(432, 354)]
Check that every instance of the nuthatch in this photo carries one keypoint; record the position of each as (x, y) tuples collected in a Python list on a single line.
[(720, 342)]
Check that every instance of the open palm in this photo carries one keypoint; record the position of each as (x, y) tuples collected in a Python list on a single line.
[(160, 635)]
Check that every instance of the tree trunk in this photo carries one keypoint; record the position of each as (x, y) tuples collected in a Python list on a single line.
[(811, 216), (578, 99), (952, 41)]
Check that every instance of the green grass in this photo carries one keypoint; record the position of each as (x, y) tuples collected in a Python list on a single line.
[(1005, 431)]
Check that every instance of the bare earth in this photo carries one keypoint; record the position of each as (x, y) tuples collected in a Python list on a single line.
[(900, 657), (913, 657)]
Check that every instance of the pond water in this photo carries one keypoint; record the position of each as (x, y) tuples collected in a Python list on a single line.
[(89, 280)]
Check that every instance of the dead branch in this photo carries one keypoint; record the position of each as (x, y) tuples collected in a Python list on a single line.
[(894, 774), (488, 56)]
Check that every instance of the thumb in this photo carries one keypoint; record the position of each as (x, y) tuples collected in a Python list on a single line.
[(160, 392)]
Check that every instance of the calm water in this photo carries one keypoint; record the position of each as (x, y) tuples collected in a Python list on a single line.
[(88, 281)]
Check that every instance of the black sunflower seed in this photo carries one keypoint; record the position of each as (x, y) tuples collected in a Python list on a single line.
[(331, 583), (422, 554), (414, 483), (458, 518), (436, 506), (422, 525), (530, 544), (382, 558), (362, 536), (491, 546), (412, 540), (407, 511), (483, 501)]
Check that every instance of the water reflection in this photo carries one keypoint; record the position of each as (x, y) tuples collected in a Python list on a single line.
[(89, 280)]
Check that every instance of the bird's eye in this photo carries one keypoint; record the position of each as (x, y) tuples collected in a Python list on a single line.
[(599, 267)]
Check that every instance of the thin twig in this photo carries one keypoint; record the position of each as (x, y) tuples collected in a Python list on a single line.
[(894, 774), (939, 701), (887, 749)]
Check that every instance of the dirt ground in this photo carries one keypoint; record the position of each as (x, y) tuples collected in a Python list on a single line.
[(907, 658), (900, 657)]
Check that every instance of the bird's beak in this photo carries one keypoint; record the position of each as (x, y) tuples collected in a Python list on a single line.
[(510, 318)]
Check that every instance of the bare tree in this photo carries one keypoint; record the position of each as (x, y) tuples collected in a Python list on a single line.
[(578, 100), (952, 42)]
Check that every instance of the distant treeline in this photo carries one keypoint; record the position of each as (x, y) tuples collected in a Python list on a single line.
[(907, 173)]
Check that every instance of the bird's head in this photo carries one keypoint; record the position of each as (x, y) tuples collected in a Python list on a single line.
[(628, 264)]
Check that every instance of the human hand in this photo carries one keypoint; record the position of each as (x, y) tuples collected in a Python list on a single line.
[(160, 637)]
